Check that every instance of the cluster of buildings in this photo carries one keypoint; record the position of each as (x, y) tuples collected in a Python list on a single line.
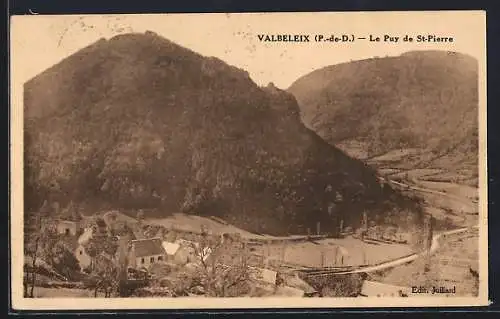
[(140, 254)]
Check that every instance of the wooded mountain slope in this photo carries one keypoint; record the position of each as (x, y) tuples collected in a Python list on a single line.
[(137, 121), (422, 103)]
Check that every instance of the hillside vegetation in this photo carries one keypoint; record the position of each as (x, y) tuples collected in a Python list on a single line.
[(422, 105), (137, 121)]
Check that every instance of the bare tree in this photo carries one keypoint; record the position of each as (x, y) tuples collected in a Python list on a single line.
[(225, 271), (98, 244), (39, 237), (104, 276), (140, 216)]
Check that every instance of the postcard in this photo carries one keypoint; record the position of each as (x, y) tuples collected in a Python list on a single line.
[(248, 160)]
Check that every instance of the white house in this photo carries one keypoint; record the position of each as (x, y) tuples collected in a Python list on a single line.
[(80, 253), (66, 227), (171, 249)]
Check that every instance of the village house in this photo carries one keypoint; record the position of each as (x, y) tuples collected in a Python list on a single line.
[(80, 253), (187, 251), (97, 226), (68, 221), (67, 227), (145, 252), (171, 250)]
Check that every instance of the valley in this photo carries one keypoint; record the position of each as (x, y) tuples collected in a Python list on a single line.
[(152, 170)]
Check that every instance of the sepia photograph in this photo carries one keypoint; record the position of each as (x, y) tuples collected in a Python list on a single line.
[(248, 160)]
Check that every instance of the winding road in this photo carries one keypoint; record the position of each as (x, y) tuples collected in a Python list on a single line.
[(430, 191), (395, 262), (409, 258)]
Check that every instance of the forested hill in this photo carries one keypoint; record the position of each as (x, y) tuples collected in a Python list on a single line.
[(423, 103), (137, 121)]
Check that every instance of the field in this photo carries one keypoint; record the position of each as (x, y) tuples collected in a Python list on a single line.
[(451, 203), (307, 253), (329, 252), (455, 263), (420, 173), (355, 149), (395, 155), (454, 208), (456, 178), (464, 191), (193, 223)]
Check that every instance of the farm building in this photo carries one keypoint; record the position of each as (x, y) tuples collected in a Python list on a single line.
[(171, 250), (186, 251), (81, 255), (145, 252), (67, 227), (69, 220)]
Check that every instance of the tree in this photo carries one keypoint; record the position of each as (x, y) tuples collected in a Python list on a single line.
[(104, 276), (76, 214), (113, 216), (391, 232), (140, 217), (98, 244), (62, 259), (225, 270), (122, 263), (104, 271), (39, 237)]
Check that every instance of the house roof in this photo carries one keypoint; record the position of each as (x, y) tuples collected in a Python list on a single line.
[(148, 247), (66, 221), (170, 248)]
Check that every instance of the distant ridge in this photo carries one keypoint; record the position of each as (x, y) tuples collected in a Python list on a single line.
[(421, 100)]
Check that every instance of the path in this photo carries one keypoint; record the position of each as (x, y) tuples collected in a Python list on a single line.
[(395, 262), (431, 191)]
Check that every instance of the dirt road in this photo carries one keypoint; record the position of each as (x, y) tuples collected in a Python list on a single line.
[(395, 262)]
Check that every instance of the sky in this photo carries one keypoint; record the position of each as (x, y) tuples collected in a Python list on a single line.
[(39, 42)]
